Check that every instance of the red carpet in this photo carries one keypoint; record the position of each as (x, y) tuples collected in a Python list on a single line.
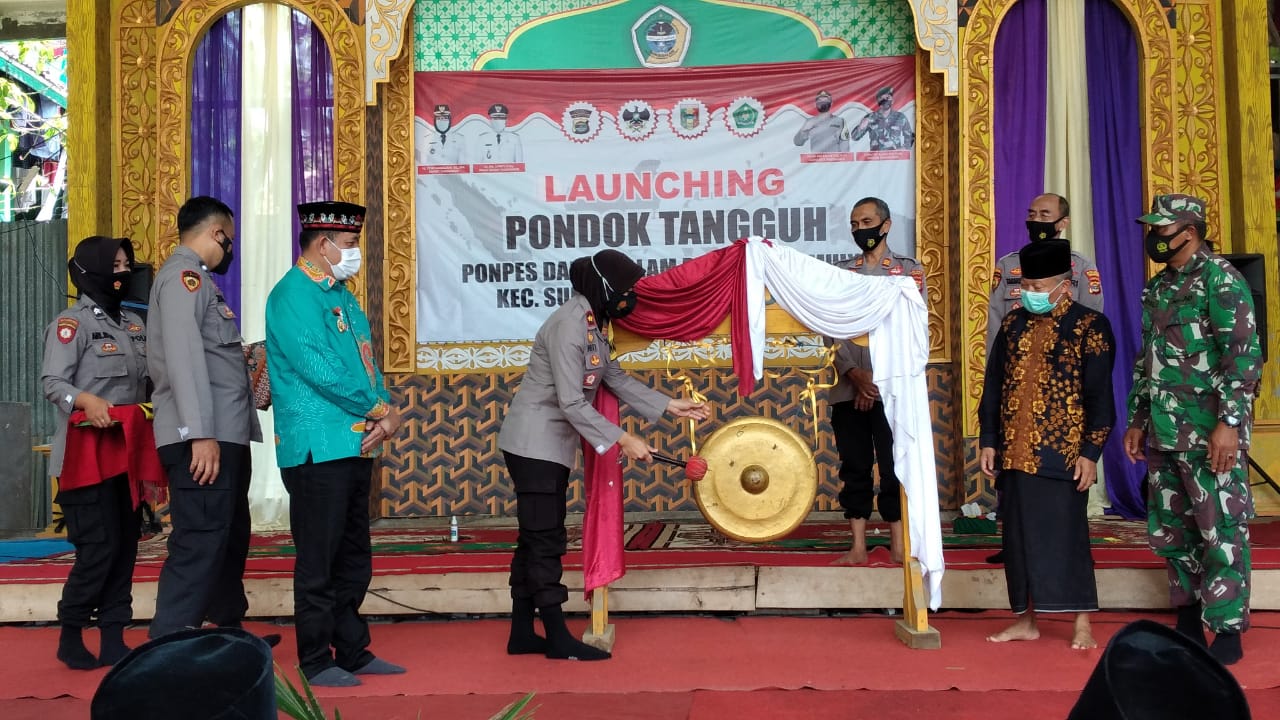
[(654, 544)]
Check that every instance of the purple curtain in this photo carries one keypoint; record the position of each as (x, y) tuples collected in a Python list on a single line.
[(312, 117), (1116, 159), (1018, 122), (215, 128)]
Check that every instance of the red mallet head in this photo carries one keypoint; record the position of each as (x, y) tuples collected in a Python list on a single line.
[(695, 468)]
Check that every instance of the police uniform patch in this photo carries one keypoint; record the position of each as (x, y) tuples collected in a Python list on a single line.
[(897, 270), (1016, 305), (110, 347), (1016, 272), (858, 261), (595, 360), (886, 262), (589, 381), (1015, 293), (1095, 282), (918, 276), (135, 328), (67, 329), (995, 279), (191, 280)]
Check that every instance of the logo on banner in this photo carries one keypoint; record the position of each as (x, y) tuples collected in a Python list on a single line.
[(690, 118), (744, 117), (581, 122), (637, 120), (661, 37)]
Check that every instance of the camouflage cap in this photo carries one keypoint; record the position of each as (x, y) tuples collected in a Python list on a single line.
[(1170, 209)]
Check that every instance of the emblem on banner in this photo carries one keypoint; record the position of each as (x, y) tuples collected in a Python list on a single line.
[(690, 118), (580, 122), (637, 120), (661, 37), (744, 116)]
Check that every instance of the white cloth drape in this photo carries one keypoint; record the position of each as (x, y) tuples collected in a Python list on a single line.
[(265, 243), (842, 304)]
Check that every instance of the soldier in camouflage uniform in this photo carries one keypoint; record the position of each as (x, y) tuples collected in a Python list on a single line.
[(1190, 410), (889, 128)]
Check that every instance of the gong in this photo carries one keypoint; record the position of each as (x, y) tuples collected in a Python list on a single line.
[(761, 479)]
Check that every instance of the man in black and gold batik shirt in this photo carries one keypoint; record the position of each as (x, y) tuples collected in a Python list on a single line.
[(1046, 411)]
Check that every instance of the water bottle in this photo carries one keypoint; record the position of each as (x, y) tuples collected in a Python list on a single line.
[(453, 529)]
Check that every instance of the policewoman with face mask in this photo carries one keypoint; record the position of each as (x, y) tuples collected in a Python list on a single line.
[(204, 422), (333, 413), (95, 358), (549, 420), (1190, 418), (862, 433)]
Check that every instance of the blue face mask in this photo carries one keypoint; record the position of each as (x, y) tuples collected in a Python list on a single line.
[(1038, 302)]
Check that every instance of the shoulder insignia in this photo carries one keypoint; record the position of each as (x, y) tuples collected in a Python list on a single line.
[(1095, 282), (110, 347), (191, 280), (595, 359), (1016, 272), (995, 279), (886, 262), (67, 329), (135, 328), (591, 318), (857, 262)]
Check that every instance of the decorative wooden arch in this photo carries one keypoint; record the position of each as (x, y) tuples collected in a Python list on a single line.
[(1156, 47)]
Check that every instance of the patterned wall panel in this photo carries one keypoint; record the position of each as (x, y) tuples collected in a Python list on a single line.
[(1200, 152), (398, 197), (446, 461), (135, 102), (375, 227)]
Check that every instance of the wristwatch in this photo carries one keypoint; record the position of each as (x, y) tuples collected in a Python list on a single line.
[(1230, 421)]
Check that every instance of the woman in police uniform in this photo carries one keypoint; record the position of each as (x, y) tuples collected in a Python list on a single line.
[(550, 417), (94, 358)]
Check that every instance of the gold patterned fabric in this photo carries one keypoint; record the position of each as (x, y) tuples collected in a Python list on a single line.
[(1047, 397)]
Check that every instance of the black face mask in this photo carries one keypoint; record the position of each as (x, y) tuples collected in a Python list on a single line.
[(1040, 230), (1159, 247), (868, 238), (620, 305), (227, 256), (118, 288), (824, 105)]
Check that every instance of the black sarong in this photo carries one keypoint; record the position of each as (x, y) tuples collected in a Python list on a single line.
[(1047, 562)]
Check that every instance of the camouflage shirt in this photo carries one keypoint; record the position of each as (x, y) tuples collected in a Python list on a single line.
[(1200, 358), (888, 132)]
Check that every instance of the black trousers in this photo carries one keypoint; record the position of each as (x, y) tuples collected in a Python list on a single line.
[(329, 518), (863, 438), (536, 567), (203, 576), (104, 527)]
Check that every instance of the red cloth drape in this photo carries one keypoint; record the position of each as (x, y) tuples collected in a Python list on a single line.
[(602, 561), (688, 301), (127, 446)]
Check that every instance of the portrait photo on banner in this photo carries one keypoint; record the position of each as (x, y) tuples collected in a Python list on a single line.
[(518, 173)]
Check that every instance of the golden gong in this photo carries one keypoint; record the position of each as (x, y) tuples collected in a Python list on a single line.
[(761, 479)]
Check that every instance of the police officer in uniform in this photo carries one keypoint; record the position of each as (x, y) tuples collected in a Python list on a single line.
[(1190, 416), (95, 357), (549, 419), (204, 422), (499, 145), (334, 413), (1048, 217), (862, 432), (824, 132)]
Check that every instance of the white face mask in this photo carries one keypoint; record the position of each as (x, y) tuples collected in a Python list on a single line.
[(348, 266), (499, 124)]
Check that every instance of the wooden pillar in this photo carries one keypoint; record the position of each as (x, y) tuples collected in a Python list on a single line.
[(90, 119), (1248, 214)]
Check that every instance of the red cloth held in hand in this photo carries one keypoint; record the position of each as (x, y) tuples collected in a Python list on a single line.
[(128, 445)]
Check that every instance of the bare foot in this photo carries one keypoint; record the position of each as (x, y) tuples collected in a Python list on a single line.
[(1023, 629), (855, 556), (1082, 639)]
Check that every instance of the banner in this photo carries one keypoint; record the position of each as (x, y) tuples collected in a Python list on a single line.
[(521, 172)]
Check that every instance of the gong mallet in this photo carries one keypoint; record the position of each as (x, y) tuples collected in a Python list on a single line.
[(695, 468)]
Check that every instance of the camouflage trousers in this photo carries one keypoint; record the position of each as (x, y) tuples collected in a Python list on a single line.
[(1198, 521)]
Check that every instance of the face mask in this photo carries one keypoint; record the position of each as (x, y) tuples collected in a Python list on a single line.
[(348, 266), (1159, 248), (227, 255), (442, 124), (620, 305), (824, 105), (499, 124), (886, 102), (1040, 230), (1038, 302), (119, 286), (868, 238)]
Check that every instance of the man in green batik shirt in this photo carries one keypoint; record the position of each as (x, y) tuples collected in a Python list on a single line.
[(1190, 413), (332, 413)]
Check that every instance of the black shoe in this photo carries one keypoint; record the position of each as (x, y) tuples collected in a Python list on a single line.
[(271, 639), (996, 559), (71, 649)]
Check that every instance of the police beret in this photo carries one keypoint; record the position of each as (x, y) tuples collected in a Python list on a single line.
[(213, 674)]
